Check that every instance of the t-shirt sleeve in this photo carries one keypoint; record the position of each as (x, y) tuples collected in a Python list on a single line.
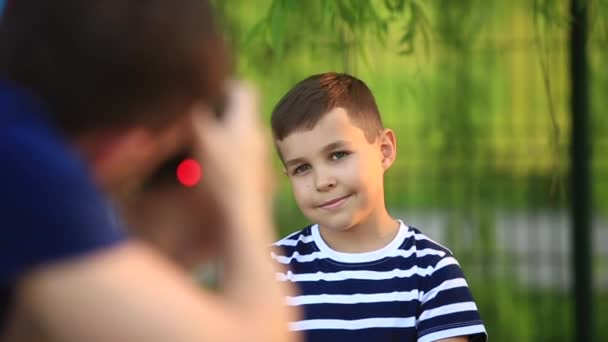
[(447, 305), (49, 207)]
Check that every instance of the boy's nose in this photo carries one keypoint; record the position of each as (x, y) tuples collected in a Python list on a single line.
[(325, 183)]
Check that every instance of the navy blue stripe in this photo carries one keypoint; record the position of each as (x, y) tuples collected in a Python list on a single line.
[(329, 266), (455, 320), (303, 231), (360, 310), (301, 248), (425, 243), (363, 286), (451, 296), (363, 335), (445, 273)]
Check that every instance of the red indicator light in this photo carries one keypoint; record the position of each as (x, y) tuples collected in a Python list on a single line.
[(189, 172)]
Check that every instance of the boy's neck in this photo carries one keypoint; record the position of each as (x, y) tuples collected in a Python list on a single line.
[(369, 235)]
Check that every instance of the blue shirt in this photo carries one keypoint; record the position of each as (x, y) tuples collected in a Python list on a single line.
[(410, 290), (49, 207)]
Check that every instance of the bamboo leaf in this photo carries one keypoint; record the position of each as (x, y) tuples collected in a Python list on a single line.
[(256, 32), (277, 24)]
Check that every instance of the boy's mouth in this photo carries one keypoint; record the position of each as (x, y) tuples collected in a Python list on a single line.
[(334, 202)]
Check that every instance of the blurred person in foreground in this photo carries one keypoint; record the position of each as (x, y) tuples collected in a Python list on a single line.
[(95, 96)]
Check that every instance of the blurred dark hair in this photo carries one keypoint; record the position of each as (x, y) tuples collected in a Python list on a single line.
[(108, 63)]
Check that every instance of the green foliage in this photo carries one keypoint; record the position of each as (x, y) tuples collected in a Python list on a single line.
[(342, 25)]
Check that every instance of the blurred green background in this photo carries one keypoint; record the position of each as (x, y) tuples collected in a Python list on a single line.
[(478, 94)]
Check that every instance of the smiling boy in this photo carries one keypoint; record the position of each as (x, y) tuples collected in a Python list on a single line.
[(362, 274)]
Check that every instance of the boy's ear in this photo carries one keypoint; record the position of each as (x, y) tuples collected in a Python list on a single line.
[(388, 148)]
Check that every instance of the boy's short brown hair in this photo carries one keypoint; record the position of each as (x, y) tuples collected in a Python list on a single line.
[(107, 63), (306, 103)]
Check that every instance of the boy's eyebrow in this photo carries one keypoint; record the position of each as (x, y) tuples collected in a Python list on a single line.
[(293, 162), (334, 145), (331, 146)]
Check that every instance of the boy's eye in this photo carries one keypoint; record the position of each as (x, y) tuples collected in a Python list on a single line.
[(301, 168), (339, 155)]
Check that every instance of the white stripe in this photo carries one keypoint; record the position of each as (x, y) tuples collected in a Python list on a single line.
[(446, 262), (428, 251), (446, 285), (448, 309), (463, 331), (292, 242), (296, 255), (395, 296), (388, 322), (394, 253), (420, 236), (343, 275), (365, 275)]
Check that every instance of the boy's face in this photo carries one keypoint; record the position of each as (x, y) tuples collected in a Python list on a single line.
[(335, 172)]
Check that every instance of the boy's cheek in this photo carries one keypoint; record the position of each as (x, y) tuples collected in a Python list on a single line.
[(302, 194)]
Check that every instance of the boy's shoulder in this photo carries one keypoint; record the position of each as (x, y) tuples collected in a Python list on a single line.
[(295, 247), (424, 242), (301, 236), (429, 254)]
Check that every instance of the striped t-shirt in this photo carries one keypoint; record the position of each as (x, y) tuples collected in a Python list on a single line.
[(410, 290)]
